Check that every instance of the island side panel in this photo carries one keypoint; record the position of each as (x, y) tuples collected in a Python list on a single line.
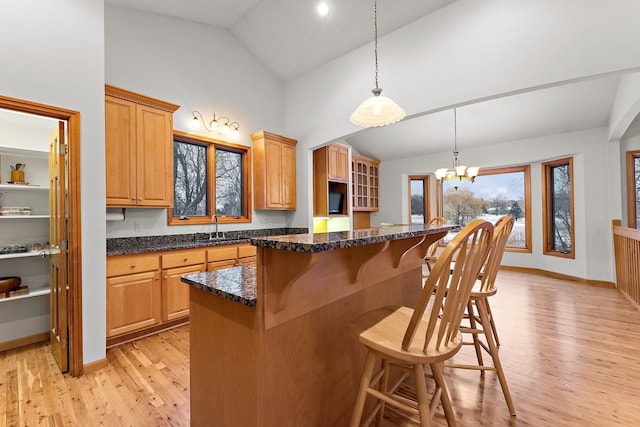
[(313, 365), (224, 368)]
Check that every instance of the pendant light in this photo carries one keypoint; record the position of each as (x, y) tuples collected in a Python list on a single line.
[(459, 172), (377, 110)]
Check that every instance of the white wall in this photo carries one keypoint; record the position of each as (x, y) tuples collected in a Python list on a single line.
[(593, 245), (467, 51), (199, 68), (52, 53)]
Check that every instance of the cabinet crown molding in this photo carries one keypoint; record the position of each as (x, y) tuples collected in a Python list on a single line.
[(117, 92)]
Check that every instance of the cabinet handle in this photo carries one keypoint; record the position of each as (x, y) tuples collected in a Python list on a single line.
[(139, 198), (185, 259), (133, 266)]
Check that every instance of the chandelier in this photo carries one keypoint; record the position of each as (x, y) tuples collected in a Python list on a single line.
[(377, 110), (459, 172)]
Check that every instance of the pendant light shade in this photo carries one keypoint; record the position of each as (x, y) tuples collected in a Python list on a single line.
[(377, 110)]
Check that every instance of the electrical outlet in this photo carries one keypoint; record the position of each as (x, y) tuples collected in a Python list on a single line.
[(137, 225)]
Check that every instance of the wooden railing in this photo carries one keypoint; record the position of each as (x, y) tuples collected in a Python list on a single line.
[(626, 244)]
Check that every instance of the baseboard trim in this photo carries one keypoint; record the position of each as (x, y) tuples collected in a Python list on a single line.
[(95, 365), (20, 342), (600, 283)]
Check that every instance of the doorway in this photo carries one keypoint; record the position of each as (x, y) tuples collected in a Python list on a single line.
[(71, 270)]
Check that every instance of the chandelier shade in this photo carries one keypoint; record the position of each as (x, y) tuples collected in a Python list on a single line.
[(377, 110)]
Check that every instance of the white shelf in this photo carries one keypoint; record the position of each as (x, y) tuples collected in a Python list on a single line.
[(23, 187), (24, 216), (25, 254), (32, 294)]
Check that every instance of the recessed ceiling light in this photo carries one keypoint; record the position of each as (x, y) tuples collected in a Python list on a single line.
[(323, 8)]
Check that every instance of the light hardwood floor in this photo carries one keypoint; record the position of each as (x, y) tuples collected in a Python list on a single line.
[(571, 353)]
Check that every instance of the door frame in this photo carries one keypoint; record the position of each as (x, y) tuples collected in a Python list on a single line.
[(74, 214)]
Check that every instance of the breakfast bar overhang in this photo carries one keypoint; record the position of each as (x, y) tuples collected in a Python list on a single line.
[(269, 344)]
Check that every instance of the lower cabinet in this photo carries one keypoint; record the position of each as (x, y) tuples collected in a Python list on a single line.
[(145, 292), (133, 293), (175, 294)]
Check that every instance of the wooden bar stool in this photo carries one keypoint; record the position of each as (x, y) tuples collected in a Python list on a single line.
[(431, 257), (479, 312), (409, 339)]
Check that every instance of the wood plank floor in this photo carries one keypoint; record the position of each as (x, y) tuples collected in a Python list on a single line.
[(571, 353)]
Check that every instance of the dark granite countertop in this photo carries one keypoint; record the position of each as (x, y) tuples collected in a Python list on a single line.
[(234, 283), (144, 244), (320, 242)]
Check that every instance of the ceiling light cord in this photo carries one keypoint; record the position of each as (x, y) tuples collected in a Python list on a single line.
[(375, 37)]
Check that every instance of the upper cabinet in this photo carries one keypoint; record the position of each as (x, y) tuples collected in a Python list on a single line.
[(338, 162), (365, 185), (139, 150), (330, 180), (274, 171)]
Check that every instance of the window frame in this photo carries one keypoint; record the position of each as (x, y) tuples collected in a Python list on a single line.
[(547, 213), (426, 186), (526, 169), (632, 212), (211, 145)]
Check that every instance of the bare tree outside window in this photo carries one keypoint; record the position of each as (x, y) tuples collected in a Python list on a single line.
[(229, 192), (558, 208), (495, 192), (209, 178), (637, 188), (190, 179)]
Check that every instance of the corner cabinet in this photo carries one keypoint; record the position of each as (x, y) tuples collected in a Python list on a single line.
[(274, 171), (139, 150), (365, 183)]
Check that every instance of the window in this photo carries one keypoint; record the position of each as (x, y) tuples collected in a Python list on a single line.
[(209, 173), (494, 193), (633, 188), (557, 201), (419, 199)]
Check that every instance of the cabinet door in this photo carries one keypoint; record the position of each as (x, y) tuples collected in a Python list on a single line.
[(288, 176), (338, 163), (154, 157), (273, 174), (175, 294), (374, 184), (120, 152), (133, 302)]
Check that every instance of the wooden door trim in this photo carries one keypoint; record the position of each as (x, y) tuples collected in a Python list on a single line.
[(74, 260)]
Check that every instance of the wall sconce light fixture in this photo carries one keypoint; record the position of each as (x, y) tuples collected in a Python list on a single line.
[(222, 125)]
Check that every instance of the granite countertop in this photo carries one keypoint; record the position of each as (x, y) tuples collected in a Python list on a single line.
[(234, 283), (320, 242), (144, 244)]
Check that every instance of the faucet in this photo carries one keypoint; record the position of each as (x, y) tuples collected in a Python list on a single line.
[(215, 221)]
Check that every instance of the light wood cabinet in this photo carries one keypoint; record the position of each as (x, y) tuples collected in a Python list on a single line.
[(338, 163), (274, 171), (330, 173), (365, 183), (133, 293), (139, 150), (175, 294), (145, 292)]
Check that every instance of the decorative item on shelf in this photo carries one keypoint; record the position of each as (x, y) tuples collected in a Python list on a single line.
[(459, 173), (8, 284), (222, 125), (377, 110), (17, 174)]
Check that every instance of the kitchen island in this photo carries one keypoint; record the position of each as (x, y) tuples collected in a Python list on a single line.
[(269, 343)]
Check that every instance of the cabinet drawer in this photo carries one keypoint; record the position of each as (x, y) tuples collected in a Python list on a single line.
[(128, 264), (222, 254), (180, 259), (217, 265), (247, 250)]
